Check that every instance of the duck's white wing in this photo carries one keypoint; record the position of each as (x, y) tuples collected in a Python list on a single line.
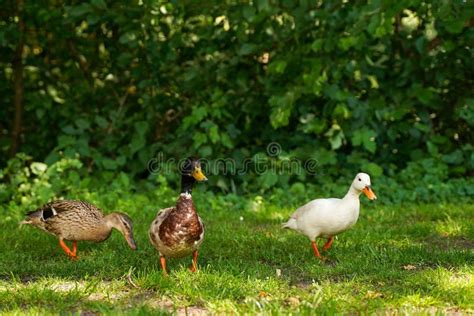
[(309, 218), (315, 208)]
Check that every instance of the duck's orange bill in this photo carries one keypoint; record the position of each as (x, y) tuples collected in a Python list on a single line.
[(198, 175), (369, 193)]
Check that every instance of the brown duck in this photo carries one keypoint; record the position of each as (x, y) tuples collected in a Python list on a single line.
[(77, 221), (178, 231)]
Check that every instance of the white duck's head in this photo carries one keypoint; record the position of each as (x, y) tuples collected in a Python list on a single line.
[(362, 184)]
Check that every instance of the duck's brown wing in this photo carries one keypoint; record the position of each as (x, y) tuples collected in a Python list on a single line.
[(52, 209), (154, 231)]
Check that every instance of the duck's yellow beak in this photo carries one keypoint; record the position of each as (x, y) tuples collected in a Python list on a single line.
[(198, 175), (369, 193)]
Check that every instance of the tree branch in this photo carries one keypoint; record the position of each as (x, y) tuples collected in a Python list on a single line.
[(18, 81)]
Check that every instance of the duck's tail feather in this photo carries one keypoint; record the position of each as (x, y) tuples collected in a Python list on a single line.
[(31, 217), (25, 222), (291, 224)]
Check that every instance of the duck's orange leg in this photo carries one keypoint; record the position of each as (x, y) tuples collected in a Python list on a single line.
[(74, 249), (328, 244), (66, 249), (163, 265), (195, 259), (315, 249)]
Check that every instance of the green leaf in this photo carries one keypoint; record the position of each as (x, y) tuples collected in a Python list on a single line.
[(124, 59), (366, 138), (79, 10), (69, 129), (101, 122), (226, 141), (335, 136), (455, 158), (336, 140), (247, 49), (311, 124), (298, 189), (214, 134), (374, 84), (345, 43), (65, 141), (82, 147), (317, 45), (137, 143), (199, 139), (278, 66), (268, 179), (424, 95), (38, 168), (127, 38), (205, 151), (100, 4), (282, 106), (263, 5), (141, 127), (248, 12), (455, 26), (432, 148), (108, 163), (373, 169), (82, 123), (124, 179), (324, 157)]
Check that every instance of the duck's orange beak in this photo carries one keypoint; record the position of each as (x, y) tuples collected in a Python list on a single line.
[(369, 193), (198, 174)]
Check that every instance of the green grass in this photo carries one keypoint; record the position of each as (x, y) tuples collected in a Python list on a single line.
[(409, 258)]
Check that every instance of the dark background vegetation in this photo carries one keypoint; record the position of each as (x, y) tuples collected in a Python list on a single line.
[(92, 90)]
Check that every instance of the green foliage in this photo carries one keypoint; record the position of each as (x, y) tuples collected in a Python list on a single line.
[(28, 184), (380, 86), (31, 183)]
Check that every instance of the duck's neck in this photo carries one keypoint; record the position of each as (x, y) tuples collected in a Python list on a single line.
[(111, 221), (105, 230), (185, 203), (187, 183), (352, 194)]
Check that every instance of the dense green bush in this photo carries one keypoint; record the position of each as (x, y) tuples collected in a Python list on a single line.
[(25, 184), (380, 86)]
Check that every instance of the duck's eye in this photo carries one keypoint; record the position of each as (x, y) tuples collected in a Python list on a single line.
[(360, 179)]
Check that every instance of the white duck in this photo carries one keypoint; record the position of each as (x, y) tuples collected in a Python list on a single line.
[(326, 218)]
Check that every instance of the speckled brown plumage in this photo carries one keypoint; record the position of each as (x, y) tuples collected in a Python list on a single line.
[(182, 225), (178, 231), (71, 220), (79, 221)]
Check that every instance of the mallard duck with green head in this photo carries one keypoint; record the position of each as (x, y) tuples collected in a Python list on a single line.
[(178, 231), (79, 221)]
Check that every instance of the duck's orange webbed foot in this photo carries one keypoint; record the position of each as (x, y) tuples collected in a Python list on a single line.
[(193, 268), (71, 254), (316, 251), (74, 255)]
